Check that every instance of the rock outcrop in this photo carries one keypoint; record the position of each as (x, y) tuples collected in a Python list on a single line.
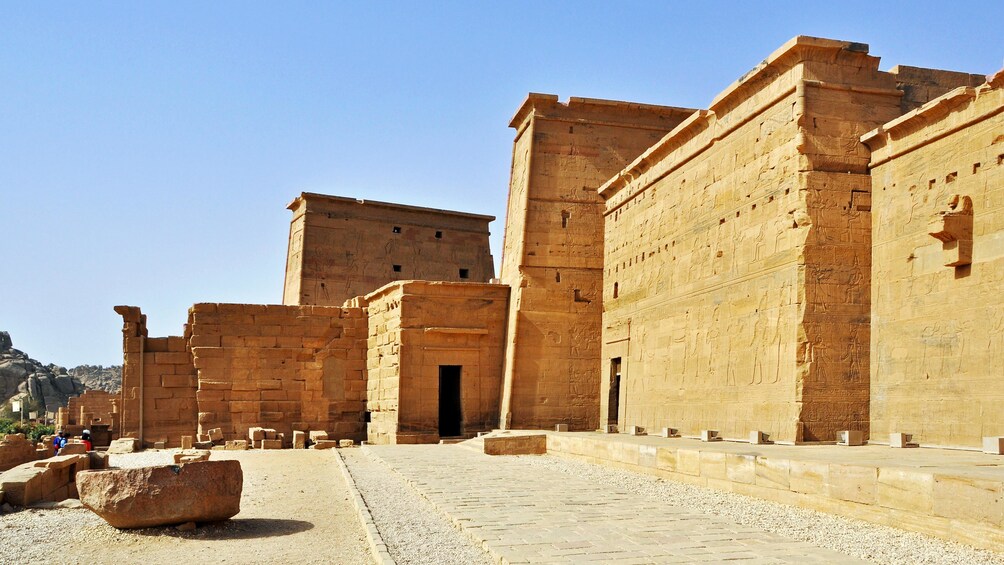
[(206, 491), (99, 377), (46, 387)]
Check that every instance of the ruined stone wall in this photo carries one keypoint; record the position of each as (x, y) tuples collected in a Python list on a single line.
[(340, 247), (736, 286), (93, 406), (938, 269), (282, 367), (157, 400), (383, 362), (417, 327), (552, 257), (15, 450)]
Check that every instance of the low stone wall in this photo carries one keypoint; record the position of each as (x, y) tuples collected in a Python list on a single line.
[(948, 494), (516, 445), (42, 481)]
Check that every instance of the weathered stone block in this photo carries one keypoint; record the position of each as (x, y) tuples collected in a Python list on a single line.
[(191, 456), (73, 449), (901, 440), (516, 445), (993, 445), (854, 483), (271, 444), (809, 477), (772, 472), (850, 437), (206, 491), (710, 435), (741, 468)]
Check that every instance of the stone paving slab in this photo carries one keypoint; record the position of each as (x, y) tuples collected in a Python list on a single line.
[(524, 514)]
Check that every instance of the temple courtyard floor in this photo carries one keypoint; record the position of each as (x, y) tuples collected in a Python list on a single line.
[(441, 504)]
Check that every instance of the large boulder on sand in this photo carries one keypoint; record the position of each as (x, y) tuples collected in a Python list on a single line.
[(207, 491)]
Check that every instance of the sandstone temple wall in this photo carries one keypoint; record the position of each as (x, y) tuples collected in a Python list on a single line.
[(421, 335), (157, 401), (340, 248), (282, 367), (716, 269), (737, 272), (553, 259), (937, 336)]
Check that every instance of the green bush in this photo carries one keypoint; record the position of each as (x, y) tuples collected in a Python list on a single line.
[(31, 430)]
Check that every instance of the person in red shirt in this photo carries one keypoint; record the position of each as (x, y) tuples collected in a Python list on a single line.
[(86, 438)]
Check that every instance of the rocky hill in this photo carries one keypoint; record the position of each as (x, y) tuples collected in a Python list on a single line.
[(45, 387), (98, 377)]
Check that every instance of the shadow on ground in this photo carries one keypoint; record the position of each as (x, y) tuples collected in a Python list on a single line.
[(239, 528)]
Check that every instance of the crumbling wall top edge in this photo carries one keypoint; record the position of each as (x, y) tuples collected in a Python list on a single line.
[(307, 196)]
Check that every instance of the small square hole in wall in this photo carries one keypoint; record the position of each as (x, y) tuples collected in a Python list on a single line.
[(464, 273), (397, 229), (397, 268), (439, 235)]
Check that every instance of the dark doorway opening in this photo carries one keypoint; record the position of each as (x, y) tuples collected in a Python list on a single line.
[(613, 400), (451, 419)]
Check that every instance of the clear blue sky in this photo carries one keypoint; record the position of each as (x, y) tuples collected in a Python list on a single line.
[(148, 149)]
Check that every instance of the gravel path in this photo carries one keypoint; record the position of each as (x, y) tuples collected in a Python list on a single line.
[(873, 542), (295, 508), (414, 531)]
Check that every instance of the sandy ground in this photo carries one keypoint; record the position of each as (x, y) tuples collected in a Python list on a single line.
[(295, 508)]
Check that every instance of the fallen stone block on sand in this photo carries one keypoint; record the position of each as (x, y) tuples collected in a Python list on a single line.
[(325, 444), (207, 491), (191, 456), (124, 445), (270, 444)]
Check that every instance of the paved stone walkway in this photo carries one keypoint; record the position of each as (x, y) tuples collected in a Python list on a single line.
[(523, 514)]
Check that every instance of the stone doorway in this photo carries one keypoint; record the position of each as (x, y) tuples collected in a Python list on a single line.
[(613, 400), (451, 419)]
